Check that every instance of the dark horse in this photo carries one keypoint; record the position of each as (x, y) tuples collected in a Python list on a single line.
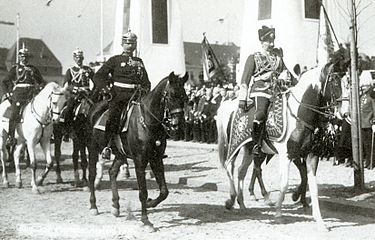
[(79, 138), (144, 142)]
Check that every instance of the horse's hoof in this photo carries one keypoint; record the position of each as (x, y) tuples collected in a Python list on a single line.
[(278, 214), (59, 180), (269, 202), (323, 228), (115, 212), (18, 184), (148, 226), (295, 196), (86, 189), (97, 184), (253, 198), (35, 190), (94, 211), (229, 204), (39, 181), (6, 184)]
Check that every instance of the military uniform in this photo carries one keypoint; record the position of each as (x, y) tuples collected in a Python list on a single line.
[(264, 67), (128, 74), (79, 79), (20, 85), (367, 108)]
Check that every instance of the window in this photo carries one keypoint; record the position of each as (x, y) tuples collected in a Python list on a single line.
[(264, 10), (312, 9), (159, 21)]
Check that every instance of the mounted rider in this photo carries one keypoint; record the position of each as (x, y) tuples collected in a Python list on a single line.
[(129, 75), (78, 79), (263, 68), (20, 85)]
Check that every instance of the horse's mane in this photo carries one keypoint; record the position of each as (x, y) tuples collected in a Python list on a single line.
[(49, 88), (160, 85)]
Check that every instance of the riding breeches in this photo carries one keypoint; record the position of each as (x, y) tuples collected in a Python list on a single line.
[(115, 107), (20, 97), (261, 108)]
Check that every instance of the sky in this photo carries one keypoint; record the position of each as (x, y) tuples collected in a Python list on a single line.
[(67, 24)]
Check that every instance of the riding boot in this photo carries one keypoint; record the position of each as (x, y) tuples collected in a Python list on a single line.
[(11, 141), (257, 138)]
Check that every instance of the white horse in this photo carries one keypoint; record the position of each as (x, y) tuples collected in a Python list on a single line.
[(35, 127), (303, 108)]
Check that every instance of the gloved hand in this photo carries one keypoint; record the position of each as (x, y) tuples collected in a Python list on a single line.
[(373, 128), (242, 105)]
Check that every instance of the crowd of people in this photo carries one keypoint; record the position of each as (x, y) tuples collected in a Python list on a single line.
[(201, 110)]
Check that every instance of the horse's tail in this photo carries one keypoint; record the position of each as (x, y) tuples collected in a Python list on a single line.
[(222, 122)]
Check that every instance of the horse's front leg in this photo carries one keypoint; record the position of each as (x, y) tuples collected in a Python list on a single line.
[(140, 168), (16, 158), (301, 190), (57, 136), (4, 157), (75, 156), (83, 164), (31, 146), (113, 172), (46, 146), (312, 166), (93, 158), (242, 170), (157, 167), (284, 177)]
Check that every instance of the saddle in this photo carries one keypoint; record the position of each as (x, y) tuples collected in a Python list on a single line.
[(241, 125), (124, 120)]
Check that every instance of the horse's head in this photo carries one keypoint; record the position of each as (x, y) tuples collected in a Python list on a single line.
[(58, 98), (332, 74), (175, 98)]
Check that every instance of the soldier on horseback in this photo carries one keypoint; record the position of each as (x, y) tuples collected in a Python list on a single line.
[(79, 80), (22, 82), (263, 68), (129, 75)]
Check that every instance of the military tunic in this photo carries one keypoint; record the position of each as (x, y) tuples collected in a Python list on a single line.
[(80, 78), (20, 85), (263, 67), (127, 73)]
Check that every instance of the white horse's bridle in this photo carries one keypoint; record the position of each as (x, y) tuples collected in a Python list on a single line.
[(45, 121)]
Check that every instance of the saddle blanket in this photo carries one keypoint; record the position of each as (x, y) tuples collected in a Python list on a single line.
[(241, 125), (100, 123)]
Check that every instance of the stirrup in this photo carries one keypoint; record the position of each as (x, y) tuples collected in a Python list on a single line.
[(257, 150), (106, 153)]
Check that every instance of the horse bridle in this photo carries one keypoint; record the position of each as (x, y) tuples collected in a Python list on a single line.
[(49, 118), (167, 113)]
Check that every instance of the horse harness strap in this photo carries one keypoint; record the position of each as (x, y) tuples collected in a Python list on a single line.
[(311, 107)]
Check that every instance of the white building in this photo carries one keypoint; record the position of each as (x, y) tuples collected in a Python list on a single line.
[(297, 27), (158, 25)]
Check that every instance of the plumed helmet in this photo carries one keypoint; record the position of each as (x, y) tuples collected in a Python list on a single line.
[(23, 52), (266, 33), (129, 37), (77, 53)]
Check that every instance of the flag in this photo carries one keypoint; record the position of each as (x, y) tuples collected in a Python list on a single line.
[(211, 65), (325, 44)]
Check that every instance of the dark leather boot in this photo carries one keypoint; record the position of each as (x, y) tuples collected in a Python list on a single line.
[(257, 138), (11, 141)]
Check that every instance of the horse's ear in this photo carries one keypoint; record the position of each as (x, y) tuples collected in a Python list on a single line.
[(297, 69), (185, 77), (171, 75)]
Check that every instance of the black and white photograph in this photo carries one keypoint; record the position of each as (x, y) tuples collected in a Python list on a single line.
[(187, 119)]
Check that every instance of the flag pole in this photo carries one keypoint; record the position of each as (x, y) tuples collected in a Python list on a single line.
[(17, 36), (101, 31)]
